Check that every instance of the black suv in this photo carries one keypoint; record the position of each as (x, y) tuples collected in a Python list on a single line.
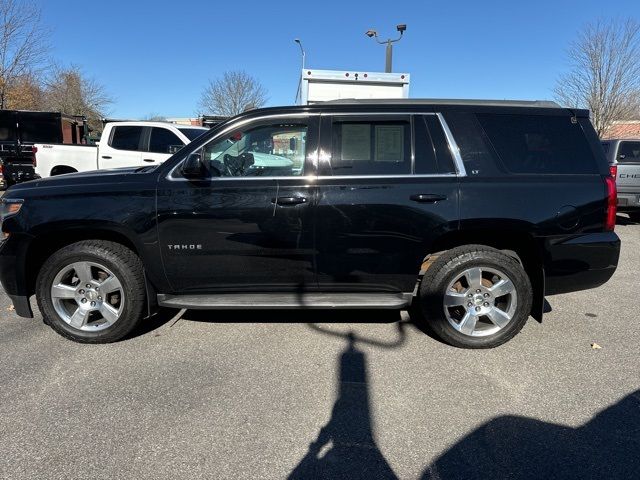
[(467, 213)]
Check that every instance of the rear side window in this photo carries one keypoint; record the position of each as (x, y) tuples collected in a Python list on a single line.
[(371, 147), (629, 152), (475, 149), (433, 155), (126, 137), (164, 141), (538, 144)]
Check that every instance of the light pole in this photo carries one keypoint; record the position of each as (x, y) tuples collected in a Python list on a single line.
[(297, 40), (389, 57)]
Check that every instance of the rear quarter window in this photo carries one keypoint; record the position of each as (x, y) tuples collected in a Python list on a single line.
[(629, 152), (539, 144)]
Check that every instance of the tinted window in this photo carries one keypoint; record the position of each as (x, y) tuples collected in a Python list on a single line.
[(433, 155), (265, 151), (39, 127), (476, 151), (539, 144), (371, 148), (629, 152), (126, 137), (191, 133), (164, 141)]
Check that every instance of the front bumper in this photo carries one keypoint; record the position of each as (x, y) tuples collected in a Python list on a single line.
[(580, 262), (13, 279)]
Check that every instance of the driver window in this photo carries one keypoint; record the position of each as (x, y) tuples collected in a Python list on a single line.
[(265, 151)]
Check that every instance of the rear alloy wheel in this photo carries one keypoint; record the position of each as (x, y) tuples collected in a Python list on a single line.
[(475, 297), (92, 291), (480, 302)]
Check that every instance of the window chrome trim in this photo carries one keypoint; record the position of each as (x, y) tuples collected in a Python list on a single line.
[(235, 125), (453, 146)]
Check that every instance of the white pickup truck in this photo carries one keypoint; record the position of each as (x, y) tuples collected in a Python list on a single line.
[(123, 144)]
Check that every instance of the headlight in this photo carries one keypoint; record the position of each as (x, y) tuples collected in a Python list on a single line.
[(9, 207)]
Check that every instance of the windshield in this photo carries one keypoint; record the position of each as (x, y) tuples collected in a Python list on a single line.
[(192, 133)]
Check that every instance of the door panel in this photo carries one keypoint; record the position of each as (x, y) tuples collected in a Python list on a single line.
[(371, 235), (249, 227), (373, 229), (122, 149)]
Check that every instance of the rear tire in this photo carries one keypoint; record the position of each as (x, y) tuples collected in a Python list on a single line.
[(475, 297), (92, 291)]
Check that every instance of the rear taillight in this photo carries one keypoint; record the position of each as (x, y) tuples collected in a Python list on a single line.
[(612, 199)]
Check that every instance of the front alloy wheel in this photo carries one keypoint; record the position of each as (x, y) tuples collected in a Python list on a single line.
[(92, 291), (87, 296)]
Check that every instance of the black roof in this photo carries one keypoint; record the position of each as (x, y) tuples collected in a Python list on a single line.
[(445, 101)]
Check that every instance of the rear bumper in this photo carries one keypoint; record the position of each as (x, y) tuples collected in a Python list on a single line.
[(581, 262), (628, 201)]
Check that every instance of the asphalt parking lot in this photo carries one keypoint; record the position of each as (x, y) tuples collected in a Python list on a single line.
[(330, 395)]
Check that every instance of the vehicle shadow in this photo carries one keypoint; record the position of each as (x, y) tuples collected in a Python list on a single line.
[(525, 448), (346, 446), (625, 220)]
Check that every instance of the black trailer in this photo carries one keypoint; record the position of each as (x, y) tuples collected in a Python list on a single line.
[(20, 130)]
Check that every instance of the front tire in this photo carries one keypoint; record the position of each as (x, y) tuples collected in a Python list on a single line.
[(475, 297), (92, 291)]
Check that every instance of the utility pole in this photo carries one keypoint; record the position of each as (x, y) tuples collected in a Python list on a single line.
[(297, 40)]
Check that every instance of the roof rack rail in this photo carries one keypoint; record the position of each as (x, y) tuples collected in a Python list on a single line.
[(446, 101)]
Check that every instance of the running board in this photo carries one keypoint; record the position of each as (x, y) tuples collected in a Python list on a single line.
[(248, 301)]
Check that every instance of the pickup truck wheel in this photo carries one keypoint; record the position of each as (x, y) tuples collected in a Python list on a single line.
[(475, 297), (92, 291)]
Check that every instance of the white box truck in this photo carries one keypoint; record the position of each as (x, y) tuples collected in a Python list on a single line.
[(323, 85)]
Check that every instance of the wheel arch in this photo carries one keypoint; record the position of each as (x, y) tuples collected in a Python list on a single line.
[(62, 169), (517, 243), (52, 238)]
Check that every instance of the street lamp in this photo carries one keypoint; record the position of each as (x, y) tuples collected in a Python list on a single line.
[(297, 40), (373, 34)]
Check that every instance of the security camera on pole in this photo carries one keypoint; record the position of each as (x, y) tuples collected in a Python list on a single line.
[(374, 34)]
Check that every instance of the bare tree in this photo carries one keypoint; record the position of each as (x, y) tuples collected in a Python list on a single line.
[(605, 73), (233, 93), (70, 91), (23, 43)]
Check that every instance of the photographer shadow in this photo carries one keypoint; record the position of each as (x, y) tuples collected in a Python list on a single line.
[(346, 447)]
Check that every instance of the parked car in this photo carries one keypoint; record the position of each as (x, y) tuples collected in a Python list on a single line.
[(20, 130), (465, 212), (623, 156), (123, 144)]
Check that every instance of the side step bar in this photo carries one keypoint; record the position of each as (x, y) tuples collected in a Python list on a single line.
[(248, 301)]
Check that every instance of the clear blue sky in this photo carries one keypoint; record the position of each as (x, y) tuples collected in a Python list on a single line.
[(154, 57)]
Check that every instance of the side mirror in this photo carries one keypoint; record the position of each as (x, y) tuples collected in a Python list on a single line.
[(293, 143), (193, 168)]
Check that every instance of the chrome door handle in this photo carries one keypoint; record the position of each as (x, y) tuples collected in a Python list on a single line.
[(289, 200), (427, 197)]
